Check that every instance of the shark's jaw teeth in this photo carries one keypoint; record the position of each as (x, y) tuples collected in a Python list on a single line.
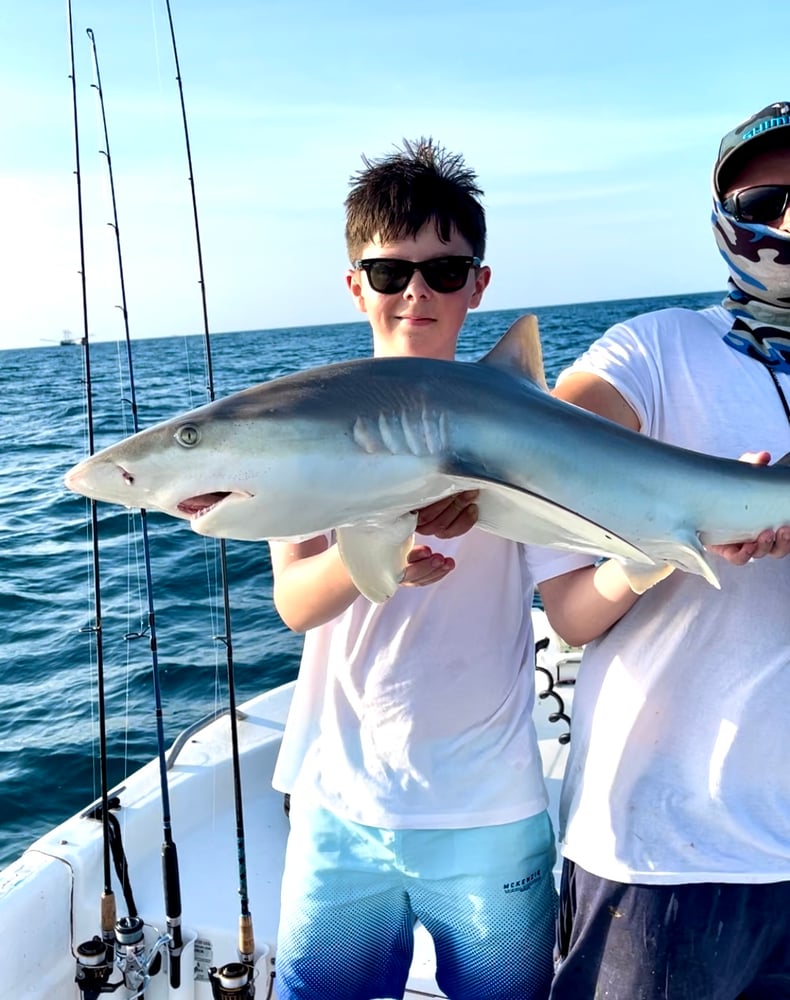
[(199, 505)]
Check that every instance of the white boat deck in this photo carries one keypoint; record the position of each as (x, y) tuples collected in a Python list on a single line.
[(55, 888)]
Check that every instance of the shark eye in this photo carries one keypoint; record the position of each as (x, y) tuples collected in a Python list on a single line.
[(187, 435)]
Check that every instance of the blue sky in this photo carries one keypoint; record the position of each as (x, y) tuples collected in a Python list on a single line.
[(592, 127)]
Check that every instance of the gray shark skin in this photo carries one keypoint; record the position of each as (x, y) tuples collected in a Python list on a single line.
[(358, 446)]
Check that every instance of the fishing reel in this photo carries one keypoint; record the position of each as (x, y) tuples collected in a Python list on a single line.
[(234, 981), (94, 966), (96, 960), (136, 965)]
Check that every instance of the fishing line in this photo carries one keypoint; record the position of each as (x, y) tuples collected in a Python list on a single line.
[(170, 872), (246, 939), (108, 907)]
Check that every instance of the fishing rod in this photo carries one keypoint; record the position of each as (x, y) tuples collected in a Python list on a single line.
[(135, 964), (237, 978), (94, 965)]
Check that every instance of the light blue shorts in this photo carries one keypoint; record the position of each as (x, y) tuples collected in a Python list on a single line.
[(351, 895)]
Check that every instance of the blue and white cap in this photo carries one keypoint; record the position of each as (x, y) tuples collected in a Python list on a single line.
[(766, 122)]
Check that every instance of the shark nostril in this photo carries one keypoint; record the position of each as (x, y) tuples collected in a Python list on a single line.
[(127, 476)]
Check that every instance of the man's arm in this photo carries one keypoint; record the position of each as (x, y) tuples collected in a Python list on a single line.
[(583, 604), (598, 396)]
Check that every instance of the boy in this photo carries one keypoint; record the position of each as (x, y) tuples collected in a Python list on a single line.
[(410, 751)]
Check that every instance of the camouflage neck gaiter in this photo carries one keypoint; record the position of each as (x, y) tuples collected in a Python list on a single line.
[(758, 259)]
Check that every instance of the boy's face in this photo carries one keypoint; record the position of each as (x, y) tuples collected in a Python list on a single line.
[(418, 321)]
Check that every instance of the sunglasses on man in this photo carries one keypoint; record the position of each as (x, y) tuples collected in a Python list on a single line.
[(761, 205), (390, 275)]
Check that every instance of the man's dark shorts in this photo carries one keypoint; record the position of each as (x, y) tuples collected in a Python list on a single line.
[(708, 941)]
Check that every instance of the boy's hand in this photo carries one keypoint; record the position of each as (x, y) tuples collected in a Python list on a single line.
[(445, 518), (449, 517), (424, 567), (768, 543)]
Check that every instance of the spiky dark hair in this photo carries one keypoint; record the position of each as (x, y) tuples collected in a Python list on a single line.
[(395, 196)]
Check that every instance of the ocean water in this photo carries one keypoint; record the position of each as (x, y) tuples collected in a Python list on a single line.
[(49, 712)]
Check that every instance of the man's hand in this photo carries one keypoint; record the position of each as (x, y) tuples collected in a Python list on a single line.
[(449, 517), (768, 543)]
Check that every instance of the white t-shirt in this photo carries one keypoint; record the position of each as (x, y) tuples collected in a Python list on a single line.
[(679, 766), (416, 713)]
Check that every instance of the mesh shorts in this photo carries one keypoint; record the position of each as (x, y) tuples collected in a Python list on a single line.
[(351, 895)]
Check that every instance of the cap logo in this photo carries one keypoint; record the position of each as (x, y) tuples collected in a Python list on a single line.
[(764, 126)]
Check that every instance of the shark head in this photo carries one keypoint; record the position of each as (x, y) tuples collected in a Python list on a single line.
[(208, 466), (163, 468)]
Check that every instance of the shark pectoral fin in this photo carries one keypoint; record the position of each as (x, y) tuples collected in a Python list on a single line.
[(374, 553)]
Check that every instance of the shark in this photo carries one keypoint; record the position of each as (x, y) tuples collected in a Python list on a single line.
[(358, 447)]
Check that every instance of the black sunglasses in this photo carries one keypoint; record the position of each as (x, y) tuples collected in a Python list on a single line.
[(760, 204), (390, 275)]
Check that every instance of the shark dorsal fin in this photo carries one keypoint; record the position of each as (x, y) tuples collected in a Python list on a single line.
[(519, 351)]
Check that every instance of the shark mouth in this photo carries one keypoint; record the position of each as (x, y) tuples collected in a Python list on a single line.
[(201, 504)]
